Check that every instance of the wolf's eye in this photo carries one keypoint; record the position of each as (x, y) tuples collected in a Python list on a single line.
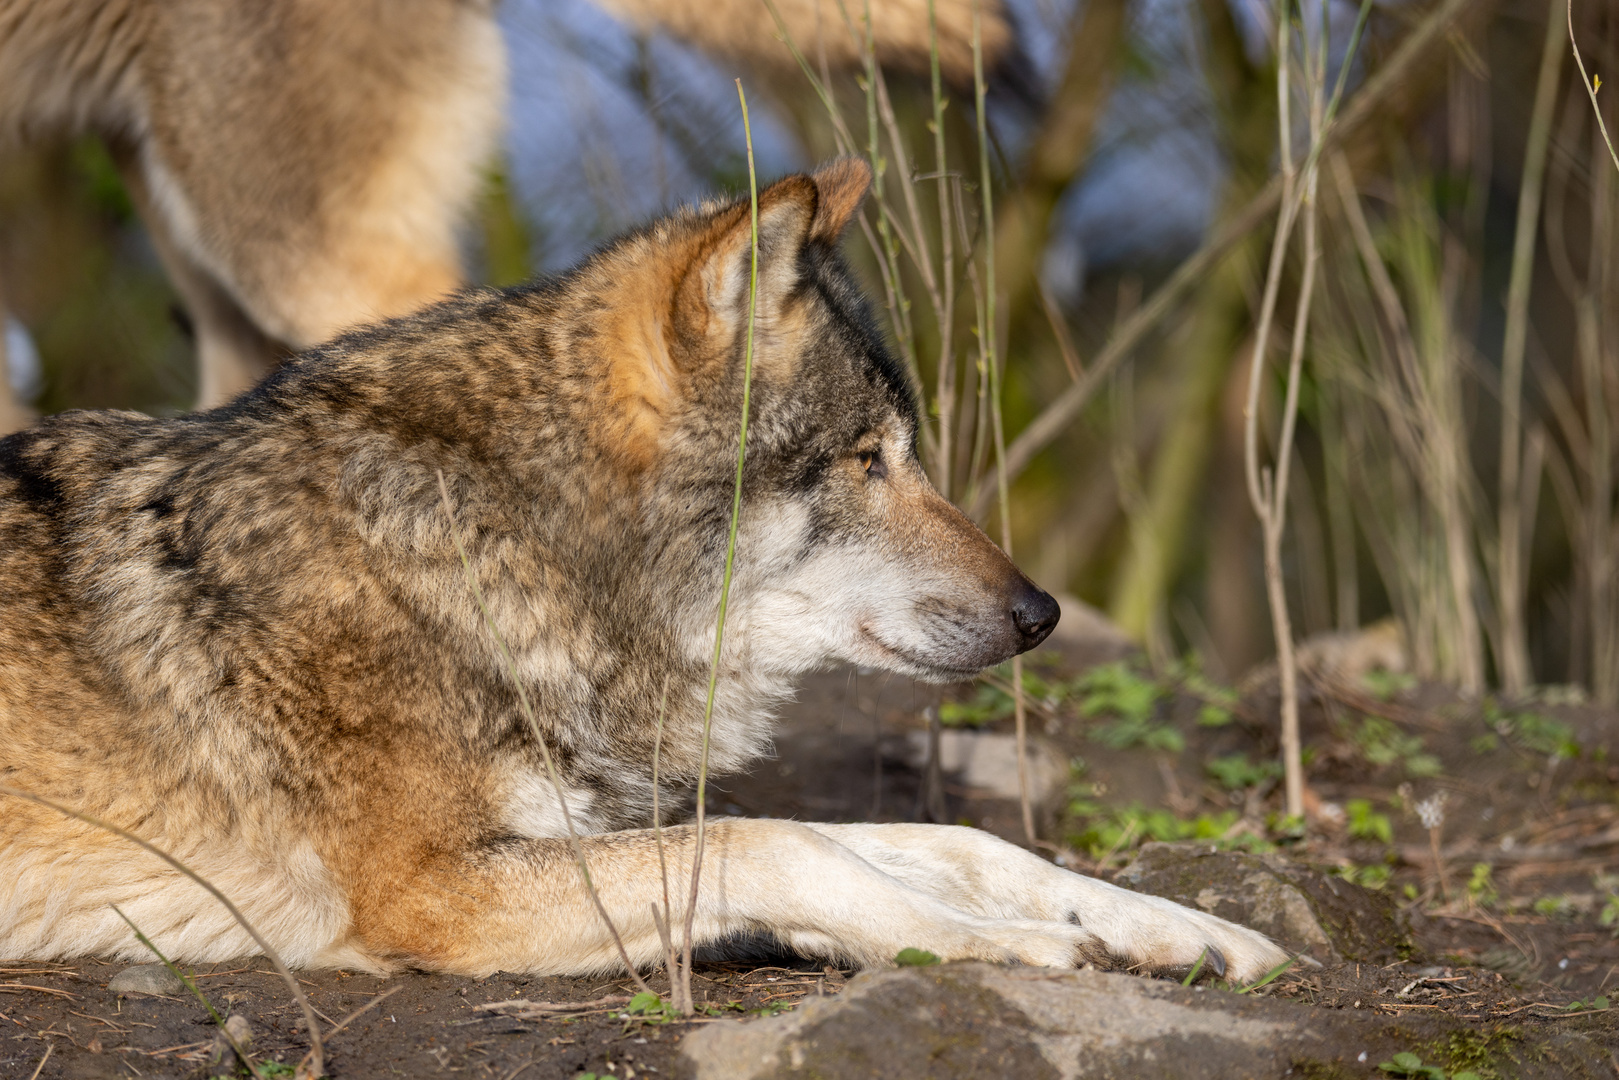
[(872, 462)]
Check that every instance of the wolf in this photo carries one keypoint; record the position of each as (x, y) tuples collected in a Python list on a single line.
[(302, 166), (246, 635)]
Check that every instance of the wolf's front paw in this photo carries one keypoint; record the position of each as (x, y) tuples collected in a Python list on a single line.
[(1037, 943), (1160, 937)]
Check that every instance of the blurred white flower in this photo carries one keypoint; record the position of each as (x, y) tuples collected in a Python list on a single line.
[(1432, 810)]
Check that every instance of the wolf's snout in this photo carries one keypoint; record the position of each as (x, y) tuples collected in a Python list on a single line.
[(1034, 614)]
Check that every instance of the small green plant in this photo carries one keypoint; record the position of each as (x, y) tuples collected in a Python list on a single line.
[(1127, 732), (1481, 886), (988, 704), (1269, 977), (1119, 690), (1234, 772), (1197, 969), (1219, 702), (1609, 915), (1596, 1004), (1406, 1063), (1532, 731), (1372, 876), (1100, 830), (594, 1076), (1386, 685), (915, 958), (1366, 823), (1554, 907), (1381, 743), (1131, 699), (651, 1008), (1285, 827)]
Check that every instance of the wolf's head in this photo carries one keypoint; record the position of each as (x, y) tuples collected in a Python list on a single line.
[(845, 551)]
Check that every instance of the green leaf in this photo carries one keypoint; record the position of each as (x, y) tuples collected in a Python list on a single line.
[(915, 958), (1197, 968), (1271, 976)]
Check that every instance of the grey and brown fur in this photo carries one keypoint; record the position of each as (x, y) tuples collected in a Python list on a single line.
[(303, 165), (245, 634)]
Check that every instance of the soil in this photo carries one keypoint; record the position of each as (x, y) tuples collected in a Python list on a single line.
[(1517, 954)]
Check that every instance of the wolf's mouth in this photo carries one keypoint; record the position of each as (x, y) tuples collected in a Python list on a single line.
[(918, 666)]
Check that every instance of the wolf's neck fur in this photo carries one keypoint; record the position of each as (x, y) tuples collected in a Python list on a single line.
[(594, 574)]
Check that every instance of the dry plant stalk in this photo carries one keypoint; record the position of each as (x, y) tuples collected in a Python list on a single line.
[(681, 977), (990, 358), (1591, 85), (1511, 539), (968, 429), (534, 729), (664, 919), (313, 1065), (1267, 486), (1585, 483)]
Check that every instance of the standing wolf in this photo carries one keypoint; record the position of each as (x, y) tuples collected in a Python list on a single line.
[(246, 636), (302, 165)]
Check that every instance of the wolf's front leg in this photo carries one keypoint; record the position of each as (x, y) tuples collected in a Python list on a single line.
[(973, 871), (521, 906)]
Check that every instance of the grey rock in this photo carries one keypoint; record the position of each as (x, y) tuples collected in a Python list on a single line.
[(1307, 911), (976, 1020), (152, 979), (987, 762)]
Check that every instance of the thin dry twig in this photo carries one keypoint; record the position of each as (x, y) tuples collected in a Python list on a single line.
[(17, 988), (1591, 86), (680, 988), (523, 1008), (361, 1011), (1511, 540), (50, 1046), (991, 360)]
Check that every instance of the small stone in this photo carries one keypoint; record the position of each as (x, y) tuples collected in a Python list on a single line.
[(238, 1029), (155, 980)]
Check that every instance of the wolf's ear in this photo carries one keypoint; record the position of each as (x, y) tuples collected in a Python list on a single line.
[(711, 305), (841, 187)]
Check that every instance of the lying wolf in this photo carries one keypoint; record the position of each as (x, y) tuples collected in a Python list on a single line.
[(246, 635)]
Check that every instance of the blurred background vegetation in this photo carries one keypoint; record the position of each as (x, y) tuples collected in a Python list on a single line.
[(1453, 465)]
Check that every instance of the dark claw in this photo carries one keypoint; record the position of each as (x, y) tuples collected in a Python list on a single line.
[(1216, 961)]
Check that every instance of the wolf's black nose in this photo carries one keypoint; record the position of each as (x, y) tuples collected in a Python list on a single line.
[(1034, 613)]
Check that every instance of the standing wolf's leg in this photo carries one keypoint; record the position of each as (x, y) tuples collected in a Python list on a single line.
[(974, 871), (14, 415), (521, 906), (233, 354)]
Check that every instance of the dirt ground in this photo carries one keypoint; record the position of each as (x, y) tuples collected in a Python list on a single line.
[(1509, 929)]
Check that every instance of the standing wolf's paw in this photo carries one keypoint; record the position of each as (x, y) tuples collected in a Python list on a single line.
[(1155, 936)]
